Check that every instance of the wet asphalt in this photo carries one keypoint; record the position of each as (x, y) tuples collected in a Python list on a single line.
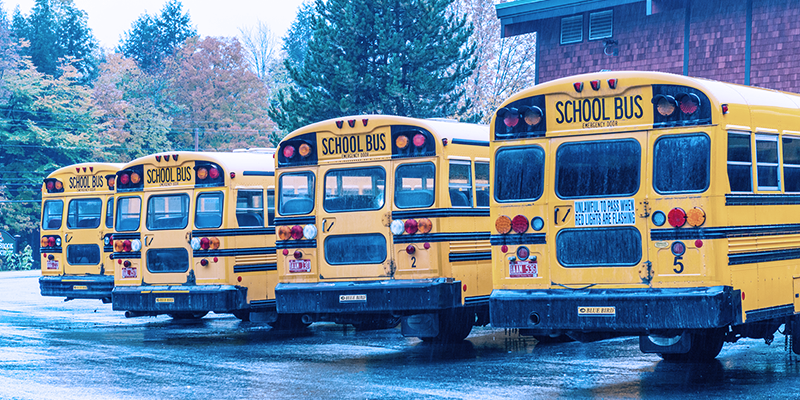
[(51, 349)]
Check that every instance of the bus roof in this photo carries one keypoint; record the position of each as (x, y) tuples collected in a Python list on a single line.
[(96, 167), (231, 162), (439, 127)]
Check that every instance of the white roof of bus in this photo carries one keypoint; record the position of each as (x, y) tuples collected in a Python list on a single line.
[(238, 161), (100, 166), (439, 127)]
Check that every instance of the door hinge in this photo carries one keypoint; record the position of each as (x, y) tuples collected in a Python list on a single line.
[(645, 209), (646, 272)]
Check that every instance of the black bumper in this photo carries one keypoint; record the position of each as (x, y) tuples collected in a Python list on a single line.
[(156, 300), (615, 310), (373, 297), (77, 287)]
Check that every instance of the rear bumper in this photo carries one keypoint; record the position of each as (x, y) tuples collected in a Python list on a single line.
[(77, 287), (156, 300), (374, 297), (616, 310)]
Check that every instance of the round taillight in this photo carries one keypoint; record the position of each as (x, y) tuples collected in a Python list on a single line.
[(410, 249), (49, 185), (205, 243), (213, 173), (698, 243), (298, 254), (523, 253), (519, 224), (504, 248), (696, 216), (297, 232), (111, 182), (124, 179), (214, 243), (411, 226), (503, 224), (43, 241), (511, 119), (659, 218), (419, 140), (304, 150), (284, 232), (288, 151), (401, 142), (537, 223), (135, 178), (126, 245), (676, 217), (666, 106), (127, 263), (195, 243), (136, 245), (397, 227), (678, 248), (690, 103), (59, 185), (533, 116), (202, 173), (424, 225), (118, 246), (204, 262), (239, 278), (310, 231), (51, 241)]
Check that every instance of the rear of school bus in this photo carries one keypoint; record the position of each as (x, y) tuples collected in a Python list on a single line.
[(616, 212), (181, 246), (75, 250), (366, 234)]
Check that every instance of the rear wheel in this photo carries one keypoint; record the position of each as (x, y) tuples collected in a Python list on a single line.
[(454, 325), (705, 346), (188, 315), (288, 322), (243, 315)]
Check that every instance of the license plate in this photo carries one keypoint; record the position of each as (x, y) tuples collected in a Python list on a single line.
[(299, 266), (523, 269), (129, 272), (52, 264)]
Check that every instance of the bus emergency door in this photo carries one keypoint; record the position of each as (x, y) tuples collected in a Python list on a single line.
[(166, 251)]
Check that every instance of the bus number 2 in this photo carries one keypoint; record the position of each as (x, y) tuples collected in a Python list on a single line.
[(679, 264), (413, 262)]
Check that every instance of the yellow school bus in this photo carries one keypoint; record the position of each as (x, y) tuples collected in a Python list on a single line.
[(194, 234), (385, 217), (647, 204), (76, 253)]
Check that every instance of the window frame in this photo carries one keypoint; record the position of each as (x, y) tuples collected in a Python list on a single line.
[(44, 209), (221, 196), (599, 14), (571, 20), (777, 164), (469, 186), (785, 164), (325, 185), (708, 163), (186, 215), (110, 213), (117, 214), (739, 163), (487, 185), (249, 209), (311, 191), (398, 184)]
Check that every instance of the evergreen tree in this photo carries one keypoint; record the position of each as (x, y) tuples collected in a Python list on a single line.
[(8, 53), (295, 43), (154, 38), (57, 34), (403, 57)]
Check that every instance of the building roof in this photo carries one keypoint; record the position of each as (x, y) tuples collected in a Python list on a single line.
[(521, 11)]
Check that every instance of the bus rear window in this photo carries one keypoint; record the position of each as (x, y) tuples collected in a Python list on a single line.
[(355, 189), (84, 213), (598, 169), (296, 193), (681, 163), (128, 211), (168, 212), (519, 174), (414, 185), (52, 215), (208, 210)]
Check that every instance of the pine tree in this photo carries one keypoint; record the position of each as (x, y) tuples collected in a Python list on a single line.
[(403, 57), (154, 38)]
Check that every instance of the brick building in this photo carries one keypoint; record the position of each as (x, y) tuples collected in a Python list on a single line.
[(742, 41)]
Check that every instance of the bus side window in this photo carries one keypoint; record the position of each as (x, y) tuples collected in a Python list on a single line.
[(53, 214), (270, 208), (481, 184), (110, 213), (460, 184), (414, 185), (767, 171), (208, 210), (250, 208), (740, 174), (791, 164)]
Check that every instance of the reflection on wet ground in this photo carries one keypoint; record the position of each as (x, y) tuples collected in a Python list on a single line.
[(83, 349)]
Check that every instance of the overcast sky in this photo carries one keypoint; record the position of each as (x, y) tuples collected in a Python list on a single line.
[(108, 19)]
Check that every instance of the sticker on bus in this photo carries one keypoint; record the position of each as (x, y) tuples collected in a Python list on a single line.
[(350, 298), (52, 264), (129, 272), (80, 287), (165, 300), (299, 266), (605, 212), (597, 311), (523, 269)]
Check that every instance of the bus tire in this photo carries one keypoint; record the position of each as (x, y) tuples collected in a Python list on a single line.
[(454, 326), (187, 315), (243, 315), (706, 345), (288, 322)]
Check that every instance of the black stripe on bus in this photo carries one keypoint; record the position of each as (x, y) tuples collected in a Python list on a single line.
[(441, 237), (724, 232), (441, 212), (263, 303), (513, 239), (770, 312), (295, 220), (296, 244), (270, 230), (237, 269), (480, 256), (129, 254), (129, 236), (468, 142), (253, 251), (761, 199), (108, 249), (50, 250), (258, 173), (476, 301), (763, 256)]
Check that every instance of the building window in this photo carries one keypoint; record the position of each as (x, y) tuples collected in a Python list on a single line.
[(601, 25), (572, 29)]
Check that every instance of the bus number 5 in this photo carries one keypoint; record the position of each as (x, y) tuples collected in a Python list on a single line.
[(679, 264)]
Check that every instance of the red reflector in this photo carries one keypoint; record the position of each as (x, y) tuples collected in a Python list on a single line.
[(410, 249), (91, 169), (698, 243), (239, 278), (288, 151), (504, 248), (286, 252), (595, 85), (298, 254), (519, 224), (216, 259), (612, 83), (174, 157), (78, 170), (119, 261), (724, 109), (205, 243), (426, 245), (419, 140), (411, 226), (158, 158), (364, 121), (676, 217), (339, 124), (465, 287), (351, 122), (578, 86), (233, 175), (213, 173), (297, 233)]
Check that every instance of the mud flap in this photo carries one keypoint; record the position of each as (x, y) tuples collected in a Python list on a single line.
[(420, 325), (666, 345)]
